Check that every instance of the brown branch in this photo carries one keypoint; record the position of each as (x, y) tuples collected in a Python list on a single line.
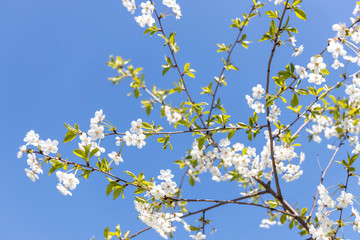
[(190, 131), (278, 189), (220, 204), (287, 207), (139, 232)]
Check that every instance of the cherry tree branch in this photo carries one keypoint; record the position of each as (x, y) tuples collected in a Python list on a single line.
[(219, 129), (268, 108)]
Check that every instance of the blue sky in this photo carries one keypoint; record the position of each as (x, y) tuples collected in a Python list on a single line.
[(52, 70)]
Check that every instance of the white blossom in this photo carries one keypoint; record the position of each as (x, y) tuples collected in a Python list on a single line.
[(31, 174), (301, 71), (344, 199), (298, 51), (96, 132), (70, 181), (165, 175), (136, 127), (49, 146), (22, 150), (258, 92), (63, 189), (116, 157), (316, 64), (32, 138)]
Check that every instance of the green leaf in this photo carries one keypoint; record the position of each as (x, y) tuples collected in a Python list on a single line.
[(69, 136), (272, 14), (93, 152), (187, 67), (55, 167), (117, 192), (106, 232), (146, 125), (300, 14), (352, 159), (283, 218), (192, 181), (140, 199), (265, 37), (294, 100), (291, 225), (273, 28), (131, 174), (85, 174), (325, 71), (190, 74), (80, 153), (201, 142), (110, 187), (269, 102), (231, 134), (139, 190), (242, 125), (303, 211)]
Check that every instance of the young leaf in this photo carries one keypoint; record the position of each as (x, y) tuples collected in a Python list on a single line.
[(300, 14)]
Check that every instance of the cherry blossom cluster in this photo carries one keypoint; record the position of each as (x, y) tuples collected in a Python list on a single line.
[(322, 124), (34, 167), (135, 137), (66, 181), (336, 48), (274, 113), (96, 132), (147, 10), (166, 188), (336, 44), (344, 124), (258, 94), (46, 147), (245, 161), (325, 201), (146, 17), (161, 222), (325, 206), (172, 115)]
